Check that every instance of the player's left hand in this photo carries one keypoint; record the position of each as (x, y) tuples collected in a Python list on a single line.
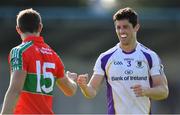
[(139, 90), (72, 76)]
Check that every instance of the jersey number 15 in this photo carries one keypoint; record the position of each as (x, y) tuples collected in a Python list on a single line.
[(45, 75)]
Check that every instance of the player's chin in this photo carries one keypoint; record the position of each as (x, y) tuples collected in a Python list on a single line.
[(124, 42)]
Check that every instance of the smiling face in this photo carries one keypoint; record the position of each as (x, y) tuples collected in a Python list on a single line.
[(125, 31), (126, 25)]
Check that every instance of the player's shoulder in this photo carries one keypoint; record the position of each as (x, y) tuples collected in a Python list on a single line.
[(109, 51), (21, 48), (146, 50), (50, 49)]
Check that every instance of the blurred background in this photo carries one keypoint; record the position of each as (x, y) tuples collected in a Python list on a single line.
[(79, 30)]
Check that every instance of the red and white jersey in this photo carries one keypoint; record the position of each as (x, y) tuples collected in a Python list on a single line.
[(122, 70), (43, 67)]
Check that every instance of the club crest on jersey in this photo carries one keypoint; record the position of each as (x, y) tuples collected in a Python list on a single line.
[(139, 64)]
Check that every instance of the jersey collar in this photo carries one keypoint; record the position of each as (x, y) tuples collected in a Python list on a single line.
[(34, 39), (118, 46)]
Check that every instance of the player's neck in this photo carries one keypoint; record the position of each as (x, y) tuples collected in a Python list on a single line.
[(128, 47), (25, 35)]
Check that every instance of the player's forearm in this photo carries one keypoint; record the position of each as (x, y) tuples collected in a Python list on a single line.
[(72, 88), (158, 92), (10, 100), (88, 91), (69, 88)]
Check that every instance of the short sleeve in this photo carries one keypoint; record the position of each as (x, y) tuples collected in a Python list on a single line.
[(17, 60), (98, 66), (60, 68), (157, 66)]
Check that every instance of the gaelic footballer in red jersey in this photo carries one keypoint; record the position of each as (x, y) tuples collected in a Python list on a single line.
[(35, 69)]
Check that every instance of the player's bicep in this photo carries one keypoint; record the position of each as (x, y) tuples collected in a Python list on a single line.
[(17, 81), (96, 81), (158, 80)]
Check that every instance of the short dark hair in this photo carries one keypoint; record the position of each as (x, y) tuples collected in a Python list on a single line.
[(126, 13), (28, 20)]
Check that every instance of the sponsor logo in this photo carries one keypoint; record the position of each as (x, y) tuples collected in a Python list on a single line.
[(46, 51), (116, 78), (128, 72), (129, 78)]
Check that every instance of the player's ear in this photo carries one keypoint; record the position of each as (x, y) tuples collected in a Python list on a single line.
[(18, 30), (137, 27), (40, 27)]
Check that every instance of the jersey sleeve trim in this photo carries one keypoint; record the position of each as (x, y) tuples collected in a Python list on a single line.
[(105, 59), (16, 58), (149, 59)]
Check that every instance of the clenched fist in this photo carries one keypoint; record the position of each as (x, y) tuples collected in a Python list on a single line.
[(72, 76), (82, 80), (138, 90)]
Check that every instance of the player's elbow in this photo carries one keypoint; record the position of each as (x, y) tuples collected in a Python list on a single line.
[(165, 92), (14, 90)]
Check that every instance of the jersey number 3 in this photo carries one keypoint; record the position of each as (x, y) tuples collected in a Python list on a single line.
[(44, 76)]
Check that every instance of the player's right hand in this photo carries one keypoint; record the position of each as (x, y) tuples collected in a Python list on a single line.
[(82, 80)]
